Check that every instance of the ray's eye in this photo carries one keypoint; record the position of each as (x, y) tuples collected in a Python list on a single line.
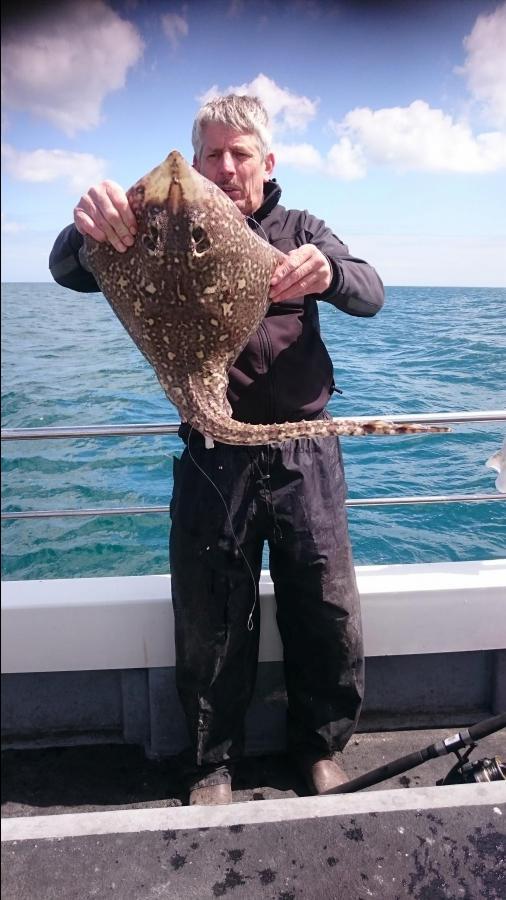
[(151, 239), (202, 242), (149, 243)]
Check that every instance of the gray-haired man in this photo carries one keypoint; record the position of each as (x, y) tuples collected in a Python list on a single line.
[(291, 495)]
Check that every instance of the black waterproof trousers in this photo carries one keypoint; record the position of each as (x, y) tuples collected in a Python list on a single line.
[(291, 495)]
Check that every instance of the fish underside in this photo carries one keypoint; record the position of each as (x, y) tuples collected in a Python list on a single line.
[(190, 291)]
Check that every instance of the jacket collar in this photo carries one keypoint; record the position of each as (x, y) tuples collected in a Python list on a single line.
[(272, 194)]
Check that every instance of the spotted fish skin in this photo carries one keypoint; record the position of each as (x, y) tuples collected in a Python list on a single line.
[(190, 291)]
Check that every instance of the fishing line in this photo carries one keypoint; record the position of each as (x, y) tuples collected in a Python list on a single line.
[(222, 498), (252, 219)]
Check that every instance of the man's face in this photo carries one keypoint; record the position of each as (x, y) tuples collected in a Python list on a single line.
[(232, 159)]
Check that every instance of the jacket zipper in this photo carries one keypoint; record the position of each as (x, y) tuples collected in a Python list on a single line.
[(267, 359)]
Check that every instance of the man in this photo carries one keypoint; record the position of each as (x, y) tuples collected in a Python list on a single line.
[(229, 500)]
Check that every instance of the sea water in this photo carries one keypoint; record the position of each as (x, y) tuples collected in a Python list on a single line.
[(66, 360)]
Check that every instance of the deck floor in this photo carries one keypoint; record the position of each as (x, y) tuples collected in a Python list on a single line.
[(443, 844), (111, 776)]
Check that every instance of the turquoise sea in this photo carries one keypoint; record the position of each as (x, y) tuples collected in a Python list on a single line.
[(66, 360)]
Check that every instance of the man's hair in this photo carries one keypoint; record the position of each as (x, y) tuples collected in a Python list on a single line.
[(237, 111)]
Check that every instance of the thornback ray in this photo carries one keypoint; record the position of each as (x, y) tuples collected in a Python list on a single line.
[(190, 291)]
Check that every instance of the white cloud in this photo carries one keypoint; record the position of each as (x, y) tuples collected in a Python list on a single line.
[(62, 63), (302, 156), (419, 137), (344, 160), (11, 227), (287, 111), (415, 137), (78, 170), (485, 65), (175, 27)]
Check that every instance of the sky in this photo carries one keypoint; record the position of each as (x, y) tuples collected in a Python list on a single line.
[(388, 119)]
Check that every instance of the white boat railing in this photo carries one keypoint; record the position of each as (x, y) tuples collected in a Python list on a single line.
[(127, 622), (169, 428)]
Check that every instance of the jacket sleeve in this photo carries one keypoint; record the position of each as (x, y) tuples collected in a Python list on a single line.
[(356, 287), (65, 262)]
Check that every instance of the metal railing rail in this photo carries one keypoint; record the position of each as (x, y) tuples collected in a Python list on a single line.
[(13, 434), (144, 510), (30, 434)]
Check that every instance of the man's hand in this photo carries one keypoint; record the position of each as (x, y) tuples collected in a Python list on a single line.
[(304, 271), (105, 214)]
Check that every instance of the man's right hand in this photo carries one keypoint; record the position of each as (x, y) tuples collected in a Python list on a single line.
[(105, 214)]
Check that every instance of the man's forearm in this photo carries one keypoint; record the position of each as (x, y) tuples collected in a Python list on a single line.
[(356, 287), (65, 265)]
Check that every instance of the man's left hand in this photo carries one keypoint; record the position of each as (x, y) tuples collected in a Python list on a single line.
[(304, 271)]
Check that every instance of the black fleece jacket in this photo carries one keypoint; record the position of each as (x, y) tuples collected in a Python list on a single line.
[(284, 373)]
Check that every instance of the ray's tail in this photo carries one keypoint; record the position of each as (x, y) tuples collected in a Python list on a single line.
[(229, 431)]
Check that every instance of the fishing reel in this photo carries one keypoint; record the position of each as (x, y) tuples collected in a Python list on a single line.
[(466, 771)]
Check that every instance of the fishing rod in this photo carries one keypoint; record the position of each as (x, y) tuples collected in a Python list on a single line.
[(462, 772)]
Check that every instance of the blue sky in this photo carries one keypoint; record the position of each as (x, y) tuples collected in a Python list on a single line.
[(388, 118)]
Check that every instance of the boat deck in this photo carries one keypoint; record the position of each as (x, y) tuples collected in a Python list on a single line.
[(100, 821)]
